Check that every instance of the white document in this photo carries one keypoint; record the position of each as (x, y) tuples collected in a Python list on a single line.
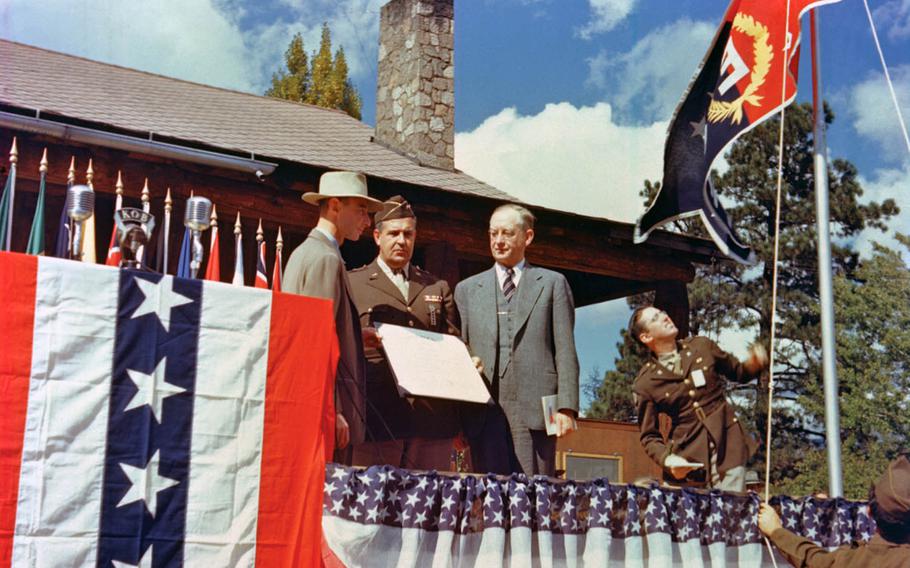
[(426, 363), (549, 414)]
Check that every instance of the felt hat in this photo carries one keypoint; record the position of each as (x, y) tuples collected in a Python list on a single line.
[(341, 185)]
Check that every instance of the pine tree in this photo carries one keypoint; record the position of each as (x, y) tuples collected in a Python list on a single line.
[(292, 84), (320, 91), (319, 80), (343, 94)]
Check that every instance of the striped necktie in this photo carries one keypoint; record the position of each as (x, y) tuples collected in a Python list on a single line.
[(508, 285)]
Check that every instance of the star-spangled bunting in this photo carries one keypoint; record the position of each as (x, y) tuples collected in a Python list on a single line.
[(391, 497)]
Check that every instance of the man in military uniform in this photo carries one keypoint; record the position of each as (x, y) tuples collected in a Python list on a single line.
[(889, 501), (416, 433), (686, 380)]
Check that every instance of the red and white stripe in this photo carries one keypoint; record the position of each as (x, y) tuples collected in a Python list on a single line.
[(259, 436)]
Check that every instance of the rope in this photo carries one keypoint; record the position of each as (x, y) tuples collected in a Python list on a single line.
[(881, 56), (780, 177)]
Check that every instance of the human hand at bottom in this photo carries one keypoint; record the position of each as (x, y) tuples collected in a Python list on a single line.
[(679, 467), (768, 519), (342, 432)]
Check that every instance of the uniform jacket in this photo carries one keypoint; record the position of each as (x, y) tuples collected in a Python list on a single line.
[(543, 353), (878, 553), (316, 268), (699, 414), (429, 306)]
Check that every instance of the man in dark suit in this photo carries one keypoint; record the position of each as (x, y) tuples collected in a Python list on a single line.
[(316, 268), (519, 319), (416, 433), (686, 380)]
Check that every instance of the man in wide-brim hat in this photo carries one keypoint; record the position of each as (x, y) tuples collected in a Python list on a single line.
[(316, 268)]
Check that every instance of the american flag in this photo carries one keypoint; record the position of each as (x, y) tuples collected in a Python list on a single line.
[(384, 516), (157, 421)]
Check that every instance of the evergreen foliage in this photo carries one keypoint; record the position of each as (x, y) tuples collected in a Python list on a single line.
[(321, 79)]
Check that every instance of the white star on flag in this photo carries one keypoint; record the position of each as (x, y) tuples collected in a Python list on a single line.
[(144, 562), (153, 389), (159, 300), (145, 483)]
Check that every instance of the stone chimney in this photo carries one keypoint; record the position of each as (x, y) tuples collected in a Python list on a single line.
[(415, 95)]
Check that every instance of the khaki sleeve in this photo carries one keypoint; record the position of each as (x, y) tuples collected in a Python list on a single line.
[(801, 551)]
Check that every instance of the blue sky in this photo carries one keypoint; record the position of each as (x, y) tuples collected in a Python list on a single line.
[(562, 103)]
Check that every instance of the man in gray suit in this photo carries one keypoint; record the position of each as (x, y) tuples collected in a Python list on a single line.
[(316, 268), (519, 319)]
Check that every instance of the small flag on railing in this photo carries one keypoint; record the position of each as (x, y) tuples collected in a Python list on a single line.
[(113, 249), (161, 248), (146, 206), (261, 277), (213, 268), (62, 246), (36, 236), (88, 226), (7, 201), (183, 262), (238, 254), (277, 272)]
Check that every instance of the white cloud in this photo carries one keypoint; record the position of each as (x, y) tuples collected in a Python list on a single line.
[(605, 15), (196, 40), (648, 81), (894, 16), (201, 45), (873, 114), (887, 183), (566, 158)]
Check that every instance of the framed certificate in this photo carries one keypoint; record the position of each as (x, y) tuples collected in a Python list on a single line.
[(426, 363)]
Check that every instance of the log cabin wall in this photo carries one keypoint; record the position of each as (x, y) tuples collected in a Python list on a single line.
[(597, 257)]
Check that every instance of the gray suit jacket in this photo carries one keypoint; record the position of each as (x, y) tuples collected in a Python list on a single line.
[(543, 346), (317, 269)]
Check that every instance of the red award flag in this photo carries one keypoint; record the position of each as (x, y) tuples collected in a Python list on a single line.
[(158, 421), (213, 268), (748, 75)]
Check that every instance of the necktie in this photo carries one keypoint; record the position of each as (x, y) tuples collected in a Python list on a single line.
[(400, 282), (508, 285)]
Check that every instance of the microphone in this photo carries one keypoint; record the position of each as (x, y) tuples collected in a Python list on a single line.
[(80, 204), (197, 218)]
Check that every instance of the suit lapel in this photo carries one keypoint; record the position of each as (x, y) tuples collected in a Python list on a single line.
[(381, 282), (529, 289), (320, 237), (415, 285), (486, 301)]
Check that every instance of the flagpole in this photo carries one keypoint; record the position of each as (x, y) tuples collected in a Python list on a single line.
[(13, 160), (825, 275)]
